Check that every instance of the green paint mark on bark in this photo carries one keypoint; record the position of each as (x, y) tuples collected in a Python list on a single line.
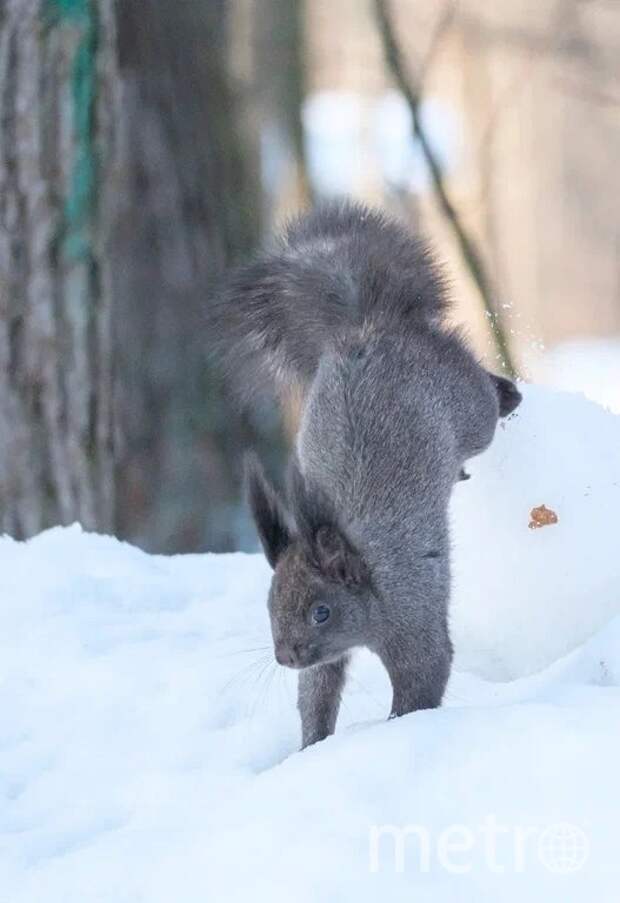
[(75, 239), (67, 8)]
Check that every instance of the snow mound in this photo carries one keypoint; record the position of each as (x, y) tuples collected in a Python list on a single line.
[(524, 597), (148, 744)]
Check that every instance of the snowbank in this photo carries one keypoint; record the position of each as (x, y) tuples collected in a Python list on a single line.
[(525, 597), (148, 743), (588, 366)]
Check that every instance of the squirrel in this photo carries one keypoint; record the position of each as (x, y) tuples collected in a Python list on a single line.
[(348, 310)]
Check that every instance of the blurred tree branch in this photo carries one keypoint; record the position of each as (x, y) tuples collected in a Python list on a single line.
[(445, 21), (470, 252), (589, 93)]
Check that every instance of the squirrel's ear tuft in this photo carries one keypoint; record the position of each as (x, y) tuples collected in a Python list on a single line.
[(508, 394), (318, 529), (337, 559), (269, 513)]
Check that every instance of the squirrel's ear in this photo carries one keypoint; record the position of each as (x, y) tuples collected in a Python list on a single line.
[(508, 394), (318, 529), (337, 559), (270, 515)]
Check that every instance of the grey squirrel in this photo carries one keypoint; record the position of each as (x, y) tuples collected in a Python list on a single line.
[(348, 310)]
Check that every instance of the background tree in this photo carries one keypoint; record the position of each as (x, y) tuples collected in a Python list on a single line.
[(58, 80), (190, 207)]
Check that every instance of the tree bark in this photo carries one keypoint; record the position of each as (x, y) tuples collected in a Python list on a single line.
[(190, 207), (57, 102)]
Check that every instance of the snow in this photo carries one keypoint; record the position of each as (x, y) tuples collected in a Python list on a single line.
[(148, 744), (525, 597), (588, 366), (351, 139)]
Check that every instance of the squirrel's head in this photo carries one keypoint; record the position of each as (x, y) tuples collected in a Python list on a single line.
[(321, 592)]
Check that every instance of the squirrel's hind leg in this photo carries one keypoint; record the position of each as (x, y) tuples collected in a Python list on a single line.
[(418, 677)]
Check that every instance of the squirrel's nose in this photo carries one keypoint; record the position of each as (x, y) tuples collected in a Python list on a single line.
[(287, 655)]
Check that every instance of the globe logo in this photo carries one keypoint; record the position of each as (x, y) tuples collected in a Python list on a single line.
[(563, 848)]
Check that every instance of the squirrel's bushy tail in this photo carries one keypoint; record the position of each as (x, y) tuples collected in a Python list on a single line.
[(334, 269)]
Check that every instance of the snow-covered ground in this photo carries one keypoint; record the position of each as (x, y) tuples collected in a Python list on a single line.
[(590, 367), (148, 743)]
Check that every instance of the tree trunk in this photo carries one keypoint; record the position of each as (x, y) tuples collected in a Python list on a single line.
[(57, 103), (190, 208)]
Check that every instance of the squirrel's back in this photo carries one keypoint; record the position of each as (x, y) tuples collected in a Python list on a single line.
[(334, 269)]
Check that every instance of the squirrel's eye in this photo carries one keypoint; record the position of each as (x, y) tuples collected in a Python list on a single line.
[(320, 614)]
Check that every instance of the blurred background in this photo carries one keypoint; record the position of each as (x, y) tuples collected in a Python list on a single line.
[(148, 145)]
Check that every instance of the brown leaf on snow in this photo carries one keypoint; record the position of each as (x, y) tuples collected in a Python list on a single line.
[(542, 517)]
